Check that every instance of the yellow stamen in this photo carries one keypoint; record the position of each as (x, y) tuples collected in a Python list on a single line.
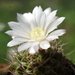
[(37, 33)]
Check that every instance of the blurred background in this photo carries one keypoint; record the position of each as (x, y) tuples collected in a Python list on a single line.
[(10, 8)]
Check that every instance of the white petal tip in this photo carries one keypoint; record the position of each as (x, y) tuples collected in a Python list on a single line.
[(18, 13), (8, 23), (9, 44), (61, 18), (32, 52), (64, 31), (45, 45), (55, 11), (6, 32)]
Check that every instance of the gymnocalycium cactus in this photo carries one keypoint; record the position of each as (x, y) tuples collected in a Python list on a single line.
[(33, 37)]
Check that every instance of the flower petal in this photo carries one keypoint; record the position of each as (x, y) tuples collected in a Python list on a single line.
[(22, 19), (42, 21), (50, 38), (19, 27), (44, 44), (24, 46), (37, 11), (58, 32), (31, 20), (34, 49), (54, 24), (16, 41), (49, 19), (35, 43), (16, 34), (55, 34), (47, 11), (11, 33)]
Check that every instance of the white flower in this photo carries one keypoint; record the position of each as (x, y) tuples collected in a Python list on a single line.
[(34, 30)]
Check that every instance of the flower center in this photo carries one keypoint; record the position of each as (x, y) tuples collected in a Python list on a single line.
[(37, 33)]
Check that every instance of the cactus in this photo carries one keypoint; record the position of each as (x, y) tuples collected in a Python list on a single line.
[(45, 62), (36, 53)]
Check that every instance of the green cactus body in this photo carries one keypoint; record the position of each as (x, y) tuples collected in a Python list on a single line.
[(45, 62)]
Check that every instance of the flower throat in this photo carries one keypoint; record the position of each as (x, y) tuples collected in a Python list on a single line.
[(37, 33)]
